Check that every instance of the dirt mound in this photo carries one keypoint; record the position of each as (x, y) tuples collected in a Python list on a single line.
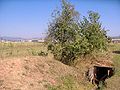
[(32, 73)]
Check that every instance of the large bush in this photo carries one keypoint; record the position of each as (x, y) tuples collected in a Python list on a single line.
[(69, 37), (94, 33)]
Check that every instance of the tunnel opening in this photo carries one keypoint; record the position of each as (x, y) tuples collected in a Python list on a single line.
[(98, 74), (102, 73)]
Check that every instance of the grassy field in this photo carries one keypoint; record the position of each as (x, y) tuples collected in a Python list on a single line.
[(114, 82), (18, 50), (21, 49)]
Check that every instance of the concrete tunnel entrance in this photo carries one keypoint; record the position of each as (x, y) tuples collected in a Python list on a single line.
[(99, 73), (102, 73)]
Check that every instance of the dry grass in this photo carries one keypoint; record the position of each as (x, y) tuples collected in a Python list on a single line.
[(21, 68), (114, 82), (21, 49)]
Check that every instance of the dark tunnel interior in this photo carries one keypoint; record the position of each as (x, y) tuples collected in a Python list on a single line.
[(103, 73)]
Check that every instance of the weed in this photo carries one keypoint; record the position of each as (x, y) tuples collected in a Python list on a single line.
[(68, 83), (41, 53)]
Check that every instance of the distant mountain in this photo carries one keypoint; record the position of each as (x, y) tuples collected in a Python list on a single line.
[(6, 38), (116, 37)]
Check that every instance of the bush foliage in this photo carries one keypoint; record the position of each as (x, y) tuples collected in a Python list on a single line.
[(69, 37)]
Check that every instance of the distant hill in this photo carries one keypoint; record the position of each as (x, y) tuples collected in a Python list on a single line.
[(6, 38), (116, 37)]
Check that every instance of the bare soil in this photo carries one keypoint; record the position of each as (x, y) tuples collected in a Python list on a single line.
[(32, 73)]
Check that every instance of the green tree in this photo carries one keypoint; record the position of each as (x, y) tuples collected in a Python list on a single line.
[(62, 32), (94, 33), (69, 38)]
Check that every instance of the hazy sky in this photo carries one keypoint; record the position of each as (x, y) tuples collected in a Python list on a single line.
[(29, 18)]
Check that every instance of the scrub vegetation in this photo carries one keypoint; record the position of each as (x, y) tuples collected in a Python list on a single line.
[(60, 63), (70, 37)]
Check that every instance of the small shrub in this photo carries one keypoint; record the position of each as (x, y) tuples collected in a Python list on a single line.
[(101, 86), (52, 87), (34, 53), (41, 53)]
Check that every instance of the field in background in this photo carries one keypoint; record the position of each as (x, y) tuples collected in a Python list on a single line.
[(114, 82), (18, 49)]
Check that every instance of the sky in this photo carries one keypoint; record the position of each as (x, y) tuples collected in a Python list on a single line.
[(30, 18)]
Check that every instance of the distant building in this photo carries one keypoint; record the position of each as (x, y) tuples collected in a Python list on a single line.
[(2, 40), (28, 40), (35, 40), (42, 40), (116, 40)]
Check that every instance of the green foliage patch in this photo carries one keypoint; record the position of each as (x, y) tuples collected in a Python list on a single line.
[(69, 37)]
